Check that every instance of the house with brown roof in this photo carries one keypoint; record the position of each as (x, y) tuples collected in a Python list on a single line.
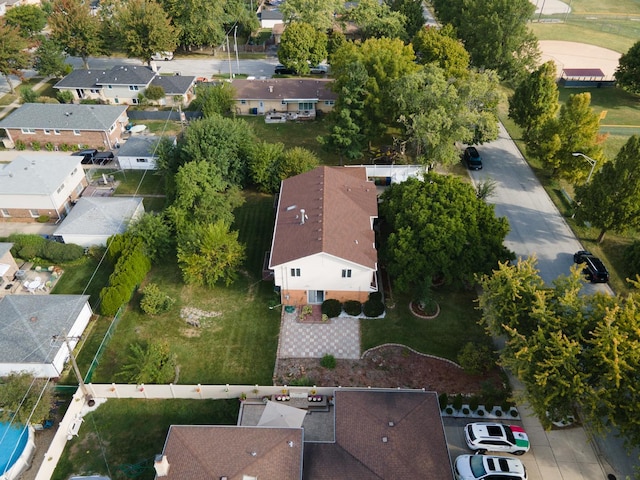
[(375, 434), (300, 96), (323, 242)]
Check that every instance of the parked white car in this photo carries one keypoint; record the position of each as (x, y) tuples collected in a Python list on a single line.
[(166, 56), (488, 467), (496, 437)]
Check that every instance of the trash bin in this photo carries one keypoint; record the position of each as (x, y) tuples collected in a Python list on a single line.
[(289, 309)]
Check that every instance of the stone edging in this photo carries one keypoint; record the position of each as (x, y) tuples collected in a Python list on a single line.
[(364, 354)]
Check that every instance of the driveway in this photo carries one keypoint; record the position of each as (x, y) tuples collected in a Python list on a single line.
[(537, 227)]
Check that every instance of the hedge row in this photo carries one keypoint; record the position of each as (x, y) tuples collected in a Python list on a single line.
[(371, 308), (33, 247)]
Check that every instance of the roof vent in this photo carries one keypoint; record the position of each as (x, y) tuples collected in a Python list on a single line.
[(391, 424), (303, 216), (254, 454), (33, 319), (290, 207), (290, 443), (385, 439), (270, 88)]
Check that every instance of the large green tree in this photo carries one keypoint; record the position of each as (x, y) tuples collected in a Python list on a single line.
[(318, 13), (440, 45), (25, 399), (144, 29), (628, 72), (49, 60), (76, 28), (495, 32), (412, 10), (214, 99), (377, 20), (149, 363), (437, 111), (440, 228), (535, 99), (302, 45), (209, 253), (384, 60), (611, 201), (200, 22), (13, 55), (29, 19)]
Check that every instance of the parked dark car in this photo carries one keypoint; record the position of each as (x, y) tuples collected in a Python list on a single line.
[(594, 269), (472, 158), (103, 158), (86, 154), (282, 70)]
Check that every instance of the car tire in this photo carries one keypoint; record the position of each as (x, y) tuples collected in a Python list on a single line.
[(480, 451), (519, 452)]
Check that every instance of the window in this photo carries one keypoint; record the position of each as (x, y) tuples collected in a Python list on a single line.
[(60, 188), (76, 132), (5, 213), (346, 273), (133, 88), (295, 272), (283, 102), (305, 106), (141, 160), (28, 130), (329, 102), (115, 100), (56, 131), (109, 87), (47, 131), (243, 102), (74, 171), (79, 189), (112, 128), (34, 213), (134, 101), (94, 90)]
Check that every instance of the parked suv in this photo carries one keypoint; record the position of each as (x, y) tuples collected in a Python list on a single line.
[(282, 70), (472, 158), (496, 437), (594, 269), (86, 154), (488, 467)]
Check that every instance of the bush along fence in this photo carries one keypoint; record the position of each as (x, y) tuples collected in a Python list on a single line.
[(470, 407)]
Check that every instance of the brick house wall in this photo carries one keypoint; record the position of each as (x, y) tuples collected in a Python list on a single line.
[(299, 297), (100, 140)]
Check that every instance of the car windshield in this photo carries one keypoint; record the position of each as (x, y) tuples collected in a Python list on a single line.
[(510, 438), (477, 465)]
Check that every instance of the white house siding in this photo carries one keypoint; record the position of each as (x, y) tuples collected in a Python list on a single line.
[(122, 93), (323, 272), (132, 163)]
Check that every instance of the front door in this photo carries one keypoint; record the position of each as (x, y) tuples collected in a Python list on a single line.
[(315, 296)]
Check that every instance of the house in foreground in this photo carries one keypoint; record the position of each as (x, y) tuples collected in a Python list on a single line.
[(93, 220), (377, 434), (302, 97), (123, 85), (63, 124), (323, 241), (36, 185), (32, 329)]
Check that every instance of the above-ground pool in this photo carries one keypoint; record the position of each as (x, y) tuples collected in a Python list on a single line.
[(16, 448)]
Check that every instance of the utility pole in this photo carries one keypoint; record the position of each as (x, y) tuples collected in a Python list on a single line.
[(229, 59), (85, 391), (235, 46)]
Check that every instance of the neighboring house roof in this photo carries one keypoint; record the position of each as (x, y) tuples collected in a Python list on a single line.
[(284, 89), (99, 216), (194, 452), (339, 204), (28, 323), (140, 146), (64, 116), (33, 174), (174, 84), (382, 434), (4, 248), (271, 14), (127, 75)]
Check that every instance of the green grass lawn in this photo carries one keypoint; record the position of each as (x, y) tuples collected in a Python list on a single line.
[(294, 134), (443, 336), (122, 437), (140, 182), (78, 278), (238, 344)]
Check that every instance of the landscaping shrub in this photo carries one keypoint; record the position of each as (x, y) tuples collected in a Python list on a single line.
[(352, 307), (302, 382), (457, 402), (26, 246), (475, 358), (35, 146), (61, 252), (328, 361), (466, 411), (443, 401), (43, 219), (28, 95), (64, 96), (155, 301), (474, 401), (373, 307), (50, 147), (20, 145), (331, 307), (154, 92)]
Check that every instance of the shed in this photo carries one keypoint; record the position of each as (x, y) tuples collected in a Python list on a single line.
[(585, 77), (139, 152)]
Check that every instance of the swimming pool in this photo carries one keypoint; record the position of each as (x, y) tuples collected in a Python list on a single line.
[(16, 448)]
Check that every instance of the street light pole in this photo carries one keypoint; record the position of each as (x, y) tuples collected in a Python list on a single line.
[(591, 161)]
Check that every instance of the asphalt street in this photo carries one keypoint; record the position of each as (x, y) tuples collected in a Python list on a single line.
[(537, 227)]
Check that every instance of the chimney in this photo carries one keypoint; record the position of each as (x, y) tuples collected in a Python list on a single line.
[(270, 88), (161, 464), (154, 66)]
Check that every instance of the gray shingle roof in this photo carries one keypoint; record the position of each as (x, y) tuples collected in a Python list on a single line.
[(28, 323), (138, 146), (33, 174), (128, 75), (174, 84), (64, 116), (99, 216), (283, 88), (4, 248)]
